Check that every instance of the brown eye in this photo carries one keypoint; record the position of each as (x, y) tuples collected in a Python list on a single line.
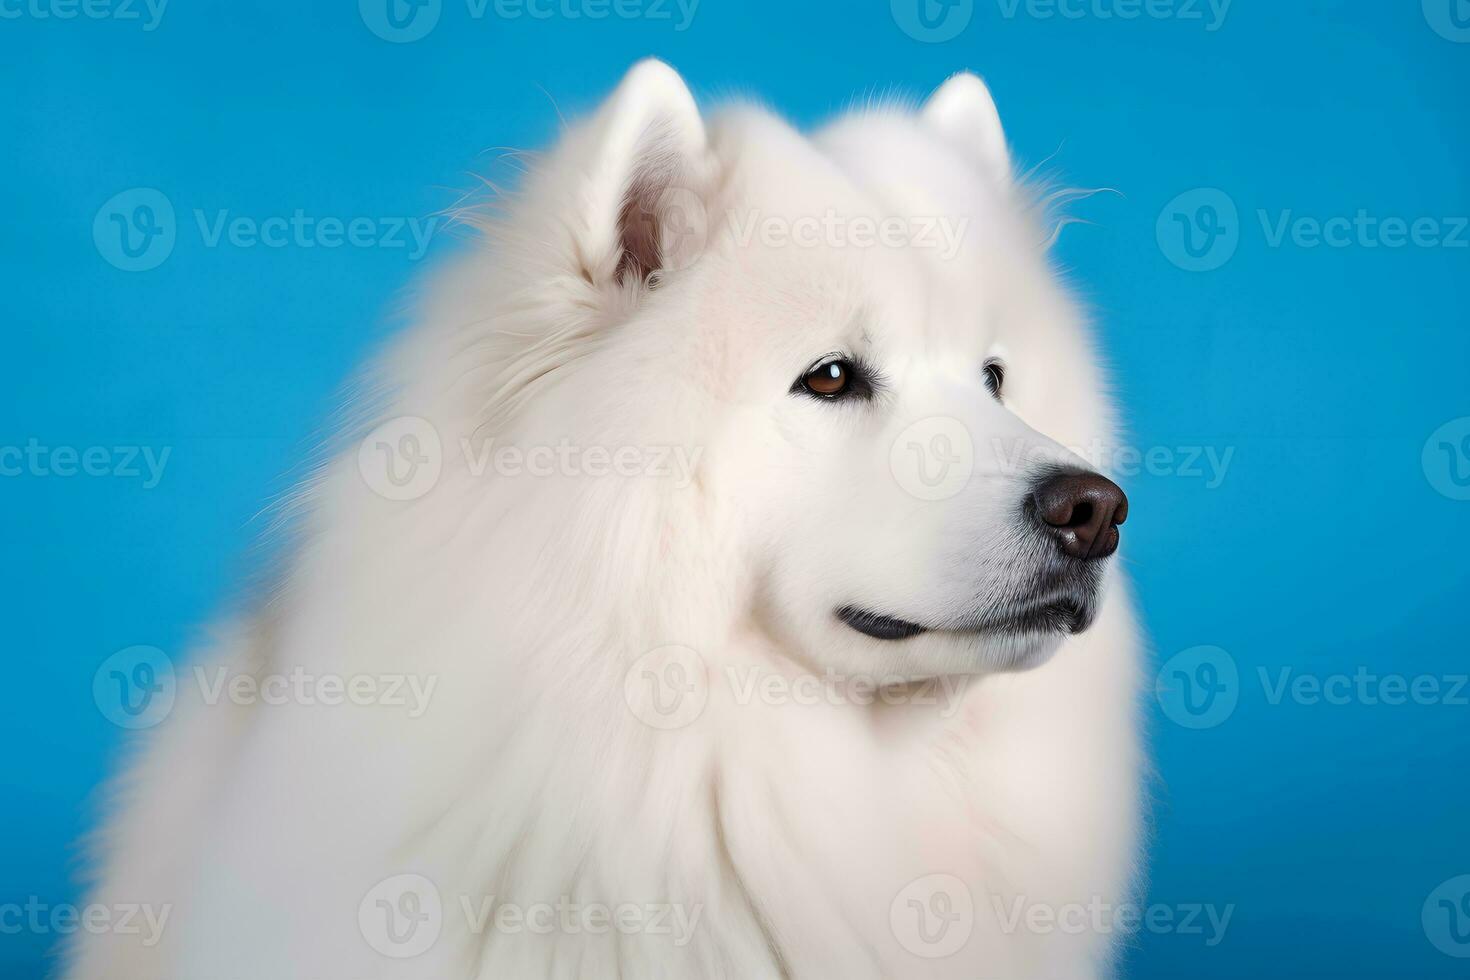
[(995, 377), (839, 378), (829, 380)]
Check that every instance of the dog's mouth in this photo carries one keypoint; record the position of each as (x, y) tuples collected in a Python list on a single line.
[(1057, 615)]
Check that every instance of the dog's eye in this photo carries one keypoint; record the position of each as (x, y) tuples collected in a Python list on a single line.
[(829, 380), (995, 377), (835, 378)]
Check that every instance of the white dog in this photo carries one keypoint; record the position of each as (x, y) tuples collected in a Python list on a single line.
[(712, 597)]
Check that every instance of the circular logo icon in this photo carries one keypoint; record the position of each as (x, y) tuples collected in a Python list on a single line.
[(1449, 18), (1446, 459), (1446, 917), (933, 916), (400, 21), (933, 458), (401, 459), (1198, 687), (402, 916), (683, 226), (135, 688), (1199, 230), (667, 688), (932, 21), (135, 231)]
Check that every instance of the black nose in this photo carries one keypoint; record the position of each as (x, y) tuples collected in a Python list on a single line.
[(1082, 511)]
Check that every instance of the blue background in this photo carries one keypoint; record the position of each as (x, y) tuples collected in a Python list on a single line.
[(1327, 547)]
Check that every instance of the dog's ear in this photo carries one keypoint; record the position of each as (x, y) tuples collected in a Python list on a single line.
[(962, 110), (644, 173)]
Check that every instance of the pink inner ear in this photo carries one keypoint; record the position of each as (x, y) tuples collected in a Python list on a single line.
[(641, 217), (638, 228)]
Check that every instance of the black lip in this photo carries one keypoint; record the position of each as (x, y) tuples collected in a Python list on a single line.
[(1068, 615), (878, 627)]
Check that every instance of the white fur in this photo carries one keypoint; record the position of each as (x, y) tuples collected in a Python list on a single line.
[(791, 828)]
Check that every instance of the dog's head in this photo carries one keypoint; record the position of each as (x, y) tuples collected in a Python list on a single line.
[(860, 332)]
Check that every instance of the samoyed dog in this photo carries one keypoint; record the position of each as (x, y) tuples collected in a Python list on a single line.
[(707, 592)]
